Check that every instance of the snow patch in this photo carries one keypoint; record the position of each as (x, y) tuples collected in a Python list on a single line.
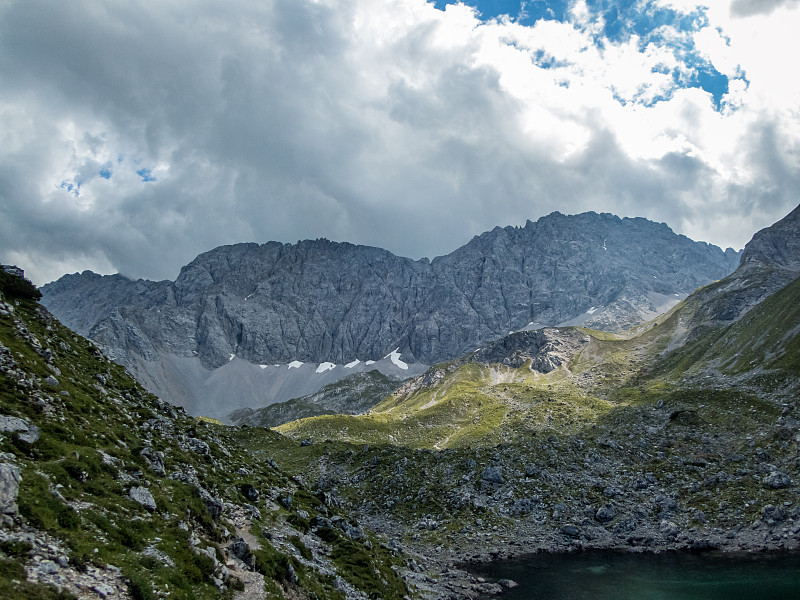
[(369, 362), (350, 365), (231, 357), (326, 366), (604, 244), (263, 366), (295, 364), (395, 356), (248, 297), (591, 311)]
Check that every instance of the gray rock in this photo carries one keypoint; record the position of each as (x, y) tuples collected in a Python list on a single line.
[(104, 591), (522, 506), (700, 516), (240, 549), (48, 567), (250, 492), (668, 528), (143, 496), (10, 477), (213, 504), (50, 380), (291, 575), (493, 474), (773, 514), (25, 431), (253, 511), (777, 480), (605, 513), (559, 509), (570, 531), (352, 531), (154, 460), (198, 445)]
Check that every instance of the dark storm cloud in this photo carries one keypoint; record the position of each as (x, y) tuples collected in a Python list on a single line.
[(135, 135)]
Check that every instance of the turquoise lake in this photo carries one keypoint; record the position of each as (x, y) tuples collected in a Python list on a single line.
[(669, 576)]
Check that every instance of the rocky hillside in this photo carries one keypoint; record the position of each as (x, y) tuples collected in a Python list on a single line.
[(349, 396), (109, 492), (680, 434), (324, 301)]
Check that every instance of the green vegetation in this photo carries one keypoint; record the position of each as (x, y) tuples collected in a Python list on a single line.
[(16, 286), (100, 436)]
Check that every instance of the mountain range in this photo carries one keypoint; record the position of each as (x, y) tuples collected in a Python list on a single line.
[(679, 434), (326, 302)]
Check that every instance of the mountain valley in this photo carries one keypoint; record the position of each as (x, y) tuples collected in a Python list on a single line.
[(325, 302), (679, 433)]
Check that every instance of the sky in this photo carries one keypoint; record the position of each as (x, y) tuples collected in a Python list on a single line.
[(136, 134)]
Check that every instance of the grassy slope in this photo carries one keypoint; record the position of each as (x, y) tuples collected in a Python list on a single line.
[(482, 405), (352, 395), (76, 477), (766, 338)]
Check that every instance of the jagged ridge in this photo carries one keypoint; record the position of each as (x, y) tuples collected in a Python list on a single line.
[(325, 301)]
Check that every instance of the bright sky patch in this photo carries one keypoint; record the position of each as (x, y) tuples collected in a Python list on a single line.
[(648, 24), (146, 175)]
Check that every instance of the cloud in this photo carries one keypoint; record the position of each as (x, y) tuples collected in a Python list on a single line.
[(136, 135), (746, 8)]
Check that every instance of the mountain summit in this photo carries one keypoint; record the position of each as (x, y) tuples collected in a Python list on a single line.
[(319, 301)]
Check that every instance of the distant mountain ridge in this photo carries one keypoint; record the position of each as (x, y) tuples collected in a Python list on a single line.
[(322, 301), (328, 301)]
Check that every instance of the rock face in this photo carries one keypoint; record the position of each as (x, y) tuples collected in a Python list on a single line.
[(776, 246), (349, 396), (770, 261), (9, 488), (326, 301), (546, 349)]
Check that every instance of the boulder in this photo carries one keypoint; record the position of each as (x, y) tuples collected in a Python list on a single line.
[(570, 531), (250, 492), (493, 474), (668, 528), (10, 478), (143, 496), (25, 431), (154, 460), (777, 480), (772, 515), (605, 513), (240, 549), (198, 445)]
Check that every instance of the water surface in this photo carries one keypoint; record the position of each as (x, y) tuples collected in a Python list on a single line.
[(672, 576)]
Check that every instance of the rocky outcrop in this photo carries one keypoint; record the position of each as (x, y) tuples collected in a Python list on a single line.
[(770, 261), (350, 396), (545, 349), (9, 488), (325, 301)]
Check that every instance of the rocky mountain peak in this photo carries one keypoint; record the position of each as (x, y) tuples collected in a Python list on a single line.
[(777, 245), (323, 301)]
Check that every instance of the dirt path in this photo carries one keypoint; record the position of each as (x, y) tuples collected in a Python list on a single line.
[(253, 582)]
